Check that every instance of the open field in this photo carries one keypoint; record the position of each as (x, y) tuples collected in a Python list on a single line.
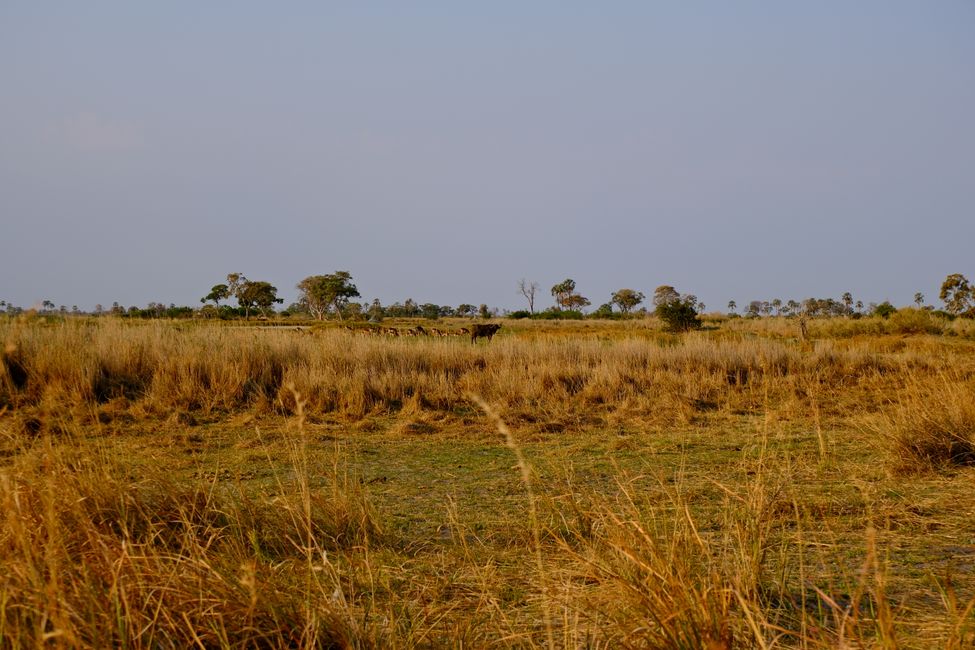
[(169, 485)]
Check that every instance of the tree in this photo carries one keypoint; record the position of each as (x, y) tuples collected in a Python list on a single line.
[(262, 295), (217, 293), (677, 311), (465, 309), (324, 292), (884, 309), (576, 302), (376, 311), (236, 287), (958, 295), (563, 290), (664, 294), (430, 311), (848, 302), (566, 297), (732, 306), (528, 290), (627, 299), (919, 299), (235, 281)]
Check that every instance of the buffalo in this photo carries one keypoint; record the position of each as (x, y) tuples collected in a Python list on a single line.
[(487, 330)]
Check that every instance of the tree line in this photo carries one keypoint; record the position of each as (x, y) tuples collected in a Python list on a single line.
[(331, 296)]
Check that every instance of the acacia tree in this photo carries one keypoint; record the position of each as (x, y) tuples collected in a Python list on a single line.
[(528, 290), (249, 295), (320, 293), (627, 299), (262, 295), (958, 295), (217, 293), (576, 302)]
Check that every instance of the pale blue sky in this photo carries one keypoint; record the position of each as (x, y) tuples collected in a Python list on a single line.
[(441, 151)]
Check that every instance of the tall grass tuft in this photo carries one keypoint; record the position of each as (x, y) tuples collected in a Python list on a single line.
[(931, 426)]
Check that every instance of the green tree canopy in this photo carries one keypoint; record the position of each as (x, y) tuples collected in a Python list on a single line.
[(262, 295), (217, 293), (322, 293), (627, 299), (958, 295), (678, 312)]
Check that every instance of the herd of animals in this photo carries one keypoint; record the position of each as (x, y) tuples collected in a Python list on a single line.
[(475, 331)]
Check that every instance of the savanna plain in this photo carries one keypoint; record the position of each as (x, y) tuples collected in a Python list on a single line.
[(590, 484)]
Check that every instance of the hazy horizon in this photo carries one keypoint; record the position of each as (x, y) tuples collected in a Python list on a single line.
[(442, 152)]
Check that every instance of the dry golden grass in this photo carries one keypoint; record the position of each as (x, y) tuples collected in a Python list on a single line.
[(174, 485)]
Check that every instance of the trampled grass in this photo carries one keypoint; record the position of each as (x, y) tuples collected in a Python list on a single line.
[(171, 486)]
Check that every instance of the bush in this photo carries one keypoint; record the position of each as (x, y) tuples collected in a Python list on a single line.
[(605, 311), (560, 314), (915, 321), (520, 314), (679, 315), (884, 310)]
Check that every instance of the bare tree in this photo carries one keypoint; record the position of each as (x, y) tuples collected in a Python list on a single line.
[(528, 290)]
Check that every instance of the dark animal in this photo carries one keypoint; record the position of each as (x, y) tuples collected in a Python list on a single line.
[(487, 330), (15, 368)]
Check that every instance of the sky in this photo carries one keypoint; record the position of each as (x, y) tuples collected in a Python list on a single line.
[(441, 151)]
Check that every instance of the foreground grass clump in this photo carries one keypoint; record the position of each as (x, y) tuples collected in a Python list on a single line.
[(177, 487), (931, 427)]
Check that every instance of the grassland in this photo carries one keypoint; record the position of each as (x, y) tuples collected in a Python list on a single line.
[(171, 485)]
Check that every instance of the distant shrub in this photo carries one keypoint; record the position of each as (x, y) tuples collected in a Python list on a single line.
[(910, 320), (560, 314), (884, 310), (605, 312), (520, 314), (679, 315)]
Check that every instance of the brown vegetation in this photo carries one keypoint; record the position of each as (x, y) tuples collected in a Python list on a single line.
[(202, 485)]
